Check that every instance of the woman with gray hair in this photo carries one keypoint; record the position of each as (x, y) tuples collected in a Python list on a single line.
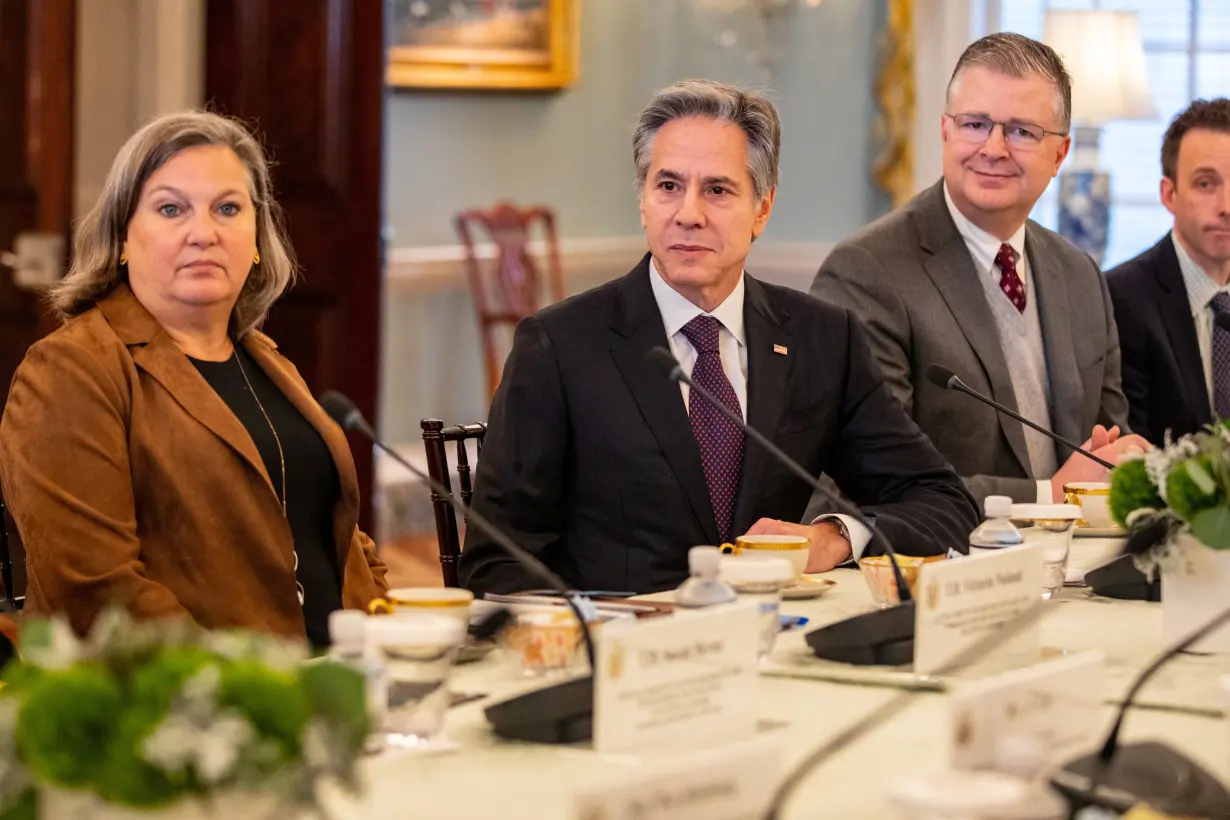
[(156, 451)]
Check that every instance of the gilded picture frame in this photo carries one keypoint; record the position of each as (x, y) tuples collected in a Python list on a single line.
[(483, 44)]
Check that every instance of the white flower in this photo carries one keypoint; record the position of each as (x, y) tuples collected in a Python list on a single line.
[(197, 734), (1161, 460)]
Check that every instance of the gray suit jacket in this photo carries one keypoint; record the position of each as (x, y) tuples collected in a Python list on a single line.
[(910, 278)]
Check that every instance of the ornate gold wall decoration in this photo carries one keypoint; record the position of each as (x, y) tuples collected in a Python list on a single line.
[(894, 91)]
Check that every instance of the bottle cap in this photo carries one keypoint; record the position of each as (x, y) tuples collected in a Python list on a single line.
[(704, 561), (998, 506), (347, 627)]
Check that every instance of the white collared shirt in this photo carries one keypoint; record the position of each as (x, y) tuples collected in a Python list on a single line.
[(983, 248), (1200, 291), (676, 311)]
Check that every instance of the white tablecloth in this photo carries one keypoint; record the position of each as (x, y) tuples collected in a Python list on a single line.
[(486, 777)]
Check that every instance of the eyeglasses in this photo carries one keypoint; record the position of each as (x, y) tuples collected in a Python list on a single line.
[(976, 129)]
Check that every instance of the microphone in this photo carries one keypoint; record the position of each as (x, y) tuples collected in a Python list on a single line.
[(878, 638), (1221, 321), (1120, 777), (973, 652), (561, 713), (945, 378)]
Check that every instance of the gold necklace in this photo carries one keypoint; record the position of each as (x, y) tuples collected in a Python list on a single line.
[(281, 459)]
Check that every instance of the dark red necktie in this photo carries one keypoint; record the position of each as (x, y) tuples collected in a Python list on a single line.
[(720, 440), (1009, 281)]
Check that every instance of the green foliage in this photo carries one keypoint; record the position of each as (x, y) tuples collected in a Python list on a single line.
[(1190, 488), (271, 700), (1131, 490), (64, 726), (1212, 527), (129, 713), (338, 694), (25, 807)]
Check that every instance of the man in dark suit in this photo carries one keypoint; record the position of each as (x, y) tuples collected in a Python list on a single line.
[(961, 278), (1176, 361), (602, 466)]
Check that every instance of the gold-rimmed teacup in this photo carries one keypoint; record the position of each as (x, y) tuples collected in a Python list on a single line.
[(454, 603), (794, 548), (1093, 497)]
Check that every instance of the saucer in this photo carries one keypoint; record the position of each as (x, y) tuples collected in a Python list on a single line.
[(806, 588), (1099, 532)]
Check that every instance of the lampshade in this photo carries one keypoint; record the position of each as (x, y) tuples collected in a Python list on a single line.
[(1106, 60)]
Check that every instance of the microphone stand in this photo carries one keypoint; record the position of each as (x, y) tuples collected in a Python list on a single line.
[(1183, 789), (895, 706), (677, 374), (879, 637), (349, 417)]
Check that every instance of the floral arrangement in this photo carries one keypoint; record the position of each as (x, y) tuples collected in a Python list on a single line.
[(159, 715), (1182, 488)]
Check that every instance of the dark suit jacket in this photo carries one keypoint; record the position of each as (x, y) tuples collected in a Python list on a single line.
[(1163, 374), (132, 482), (590, 462), (910, 279)]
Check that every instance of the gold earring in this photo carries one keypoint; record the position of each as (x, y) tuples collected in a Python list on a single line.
[(123, 258), (256, 260)]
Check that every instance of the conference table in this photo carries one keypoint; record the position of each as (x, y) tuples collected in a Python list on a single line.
[(803, 702)]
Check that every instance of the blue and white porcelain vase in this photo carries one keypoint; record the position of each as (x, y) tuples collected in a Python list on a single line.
[(1084, 198)]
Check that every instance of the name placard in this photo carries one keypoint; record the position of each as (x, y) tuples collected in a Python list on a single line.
[(960, 601), (683, 681), (1050, 705), (734, 781)]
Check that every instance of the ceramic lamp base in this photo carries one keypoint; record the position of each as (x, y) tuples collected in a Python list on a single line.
[(1084, 210)]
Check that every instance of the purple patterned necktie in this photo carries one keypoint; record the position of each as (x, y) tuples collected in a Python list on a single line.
[(1221, 359), (1009, 281), (719, 439)]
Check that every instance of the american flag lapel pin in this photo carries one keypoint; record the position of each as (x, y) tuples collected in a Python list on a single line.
[(779, 350)]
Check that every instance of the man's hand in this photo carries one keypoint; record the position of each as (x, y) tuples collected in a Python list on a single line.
[(827, 547), (1103, 443)]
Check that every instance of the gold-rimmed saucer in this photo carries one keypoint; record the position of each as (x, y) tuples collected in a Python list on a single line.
[(807, 588)]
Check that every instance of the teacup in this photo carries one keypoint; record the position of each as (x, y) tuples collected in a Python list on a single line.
[(1093, 497), (793, 548), (455, 603)]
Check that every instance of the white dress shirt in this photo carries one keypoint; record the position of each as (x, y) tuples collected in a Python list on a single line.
[(983, 248), (676, 312), (1200, 291)]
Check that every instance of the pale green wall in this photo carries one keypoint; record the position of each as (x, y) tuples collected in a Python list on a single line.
[(570, 150)]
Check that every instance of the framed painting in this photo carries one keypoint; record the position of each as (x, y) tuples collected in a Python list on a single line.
[(483, 44)]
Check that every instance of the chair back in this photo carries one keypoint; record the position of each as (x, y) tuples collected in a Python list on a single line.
[(507, 288), (12, 559), (435, 437)]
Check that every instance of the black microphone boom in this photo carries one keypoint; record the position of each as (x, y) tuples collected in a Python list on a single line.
[(562, 713), (881, 637), (1150, 773), (945, 378)]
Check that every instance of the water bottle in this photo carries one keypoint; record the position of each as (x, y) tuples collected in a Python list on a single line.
[(997, 531), (704, 588), (348, 635)]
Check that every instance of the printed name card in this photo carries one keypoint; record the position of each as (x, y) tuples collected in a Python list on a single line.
[(734, 781), (1049, 706), (683, 682), (961, 601)]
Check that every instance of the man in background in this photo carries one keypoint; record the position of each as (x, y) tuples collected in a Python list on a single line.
[(606, 469), (1176, 361), (961, 278)]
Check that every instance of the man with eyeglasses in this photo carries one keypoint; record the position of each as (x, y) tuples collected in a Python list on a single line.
[(961, 278)]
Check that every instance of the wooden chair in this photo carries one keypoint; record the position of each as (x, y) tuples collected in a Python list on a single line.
[(435, 435), (507, 289), (12, 560)]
